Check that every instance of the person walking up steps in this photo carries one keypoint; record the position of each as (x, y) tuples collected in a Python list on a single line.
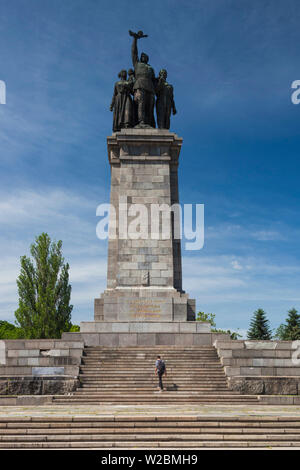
[(160, 370)]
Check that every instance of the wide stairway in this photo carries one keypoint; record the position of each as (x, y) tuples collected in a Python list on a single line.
[(148, 432), (126, 376)]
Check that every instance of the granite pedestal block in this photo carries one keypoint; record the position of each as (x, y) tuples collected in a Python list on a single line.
[(144, 274)]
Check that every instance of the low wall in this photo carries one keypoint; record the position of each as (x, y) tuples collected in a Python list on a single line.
[(49, 366), (260, 367)]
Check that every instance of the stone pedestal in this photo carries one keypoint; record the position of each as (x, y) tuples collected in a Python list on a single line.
[(144, 275)]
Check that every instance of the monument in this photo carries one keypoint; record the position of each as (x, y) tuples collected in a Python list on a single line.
[(144, 275)]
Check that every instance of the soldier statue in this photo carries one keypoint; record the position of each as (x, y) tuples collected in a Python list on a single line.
[(144, 84), (165, 101)]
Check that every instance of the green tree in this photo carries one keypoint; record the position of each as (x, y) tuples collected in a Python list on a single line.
[(209, 317), (74, 328), (259, 326), (44, 291), (289, 331), (10, 331)]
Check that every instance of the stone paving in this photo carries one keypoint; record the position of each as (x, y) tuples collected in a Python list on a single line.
[(148, 410)]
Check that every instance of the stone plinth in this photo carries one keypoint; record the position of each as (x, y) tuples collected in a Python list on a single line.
[(124, 334), (144, 275)]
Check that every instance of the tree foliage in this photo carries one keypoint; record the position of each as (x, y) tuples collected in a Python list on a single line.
[(289, 331), (75, 329), (207, 317), (44, 291), (259, 326), (210, 317), (10, 331)]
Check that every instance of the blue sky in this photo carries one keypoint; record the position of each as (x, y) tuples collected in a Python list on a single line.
[(232, 64)]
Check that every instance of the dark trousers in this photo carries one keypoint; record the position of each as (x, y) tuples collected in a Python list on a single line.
[(160, 382)]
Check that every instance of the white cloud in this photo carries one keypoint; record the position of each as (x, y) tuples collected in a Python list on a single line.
[(266, 235), (236, 265), (223, 278)]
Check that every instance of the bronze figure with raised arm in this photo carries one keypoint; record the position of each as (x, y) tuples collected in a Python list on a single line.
[(144, 84)]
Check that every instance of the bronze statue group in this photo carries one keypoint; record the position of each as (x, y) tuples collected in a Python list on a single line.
[(134, 95)]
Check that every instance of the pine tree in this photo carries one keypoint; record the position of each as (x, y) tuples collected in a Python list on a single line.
[(44, 291), (259, 326), (290, 331)]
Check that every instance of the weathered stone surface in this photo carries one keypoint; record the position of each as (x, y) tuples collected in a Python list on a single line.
[(264, 385), (281, 386), (246, 387), (19, 386), (37, 386), (3, 387), (59, 387)]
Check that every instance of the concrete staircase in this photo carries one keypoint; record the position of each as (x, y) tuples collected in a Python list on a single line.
[(149, 432), (126, 376)]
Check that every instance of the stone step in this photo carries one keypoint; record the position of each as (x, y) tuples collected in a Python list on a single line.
[(155, 420), (126, 376), (139, 382), (139, 423), (133, 367), (165, 432), (131, 378), (142, 365), (104, 378), (150, 372), (150, 437), (159, 347), (153, 445), (166, 394), (152, 386), (134, 391), (189, 366), (133, 371), (146, 386), (153, 402), (158, 398), (187, 363), (150, 357), (150, 389), (152, 383), (147, 430)]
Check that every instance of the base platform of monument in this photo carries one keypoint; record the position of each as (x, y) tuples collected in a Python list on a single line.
[(115, 334), (144, 304)]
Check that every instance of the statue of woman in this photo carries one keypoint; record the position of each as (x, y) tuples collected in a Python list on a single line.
[(121, 103), (165, 101)]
